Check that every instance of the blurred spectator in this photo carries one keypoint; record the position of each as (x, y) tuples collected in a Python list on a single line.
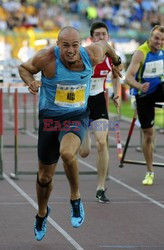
[(3, 25), (91, 12), (119, 15), (11, 6), (25, 52), (5, 49), (161, 12)]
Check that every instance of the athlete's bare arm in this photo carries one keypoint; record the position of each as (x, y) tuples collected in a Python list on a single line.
[(131, 71), (99, 50), (44, 60)]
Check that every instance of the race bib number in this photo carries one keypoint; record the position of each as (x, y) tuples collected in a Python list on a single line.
[(97, 85), (153, 69), (70, 95)]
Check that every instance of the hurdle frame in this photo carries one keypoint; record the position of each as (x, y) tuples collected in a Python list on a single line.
[(14, 175), (128, 161), (1, 135)]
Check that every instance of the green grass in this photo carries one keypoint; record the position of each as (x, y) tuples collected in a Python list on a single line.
[(128, 111)]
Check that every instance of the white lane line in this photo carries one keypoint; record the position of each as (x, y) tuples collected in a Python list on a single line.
[(31, 134), (51, 221), (86, 202), (159, 156), (138, 192), (125, 185), (133, 247)]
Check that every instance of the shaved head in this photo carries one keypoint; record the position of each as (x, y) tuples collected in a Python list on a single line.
[(69, 41), (68, 31)]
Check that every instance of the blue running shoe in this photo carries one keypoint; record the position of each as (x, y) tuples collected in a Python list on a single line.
[(77, 213), (40, 227)]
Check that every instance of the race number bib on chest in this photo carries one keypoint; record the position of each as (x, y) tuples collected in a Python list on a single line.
[(70, 95), (97, 86), (153, 69)]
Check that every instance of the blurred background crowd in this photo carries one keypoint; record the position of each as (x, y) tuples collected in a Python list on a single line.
[(33, 24), (51, 14)]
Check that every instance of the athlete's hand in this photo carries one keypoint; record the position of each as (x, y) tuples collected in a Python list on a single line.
[(116, 71), (144, 87), (34, 86)]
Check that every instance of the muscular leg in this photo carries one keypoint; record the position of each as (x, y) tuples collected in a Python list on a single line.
[(103, 154), (44, 186), (148, 147), (85, 147), (69, 147)]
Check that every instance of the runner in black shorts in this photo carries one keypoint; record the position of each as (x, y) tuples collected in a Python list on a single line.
[(147, 114), (99, 119), (97, 111), (51, 127), (66, 69), (146, 77)]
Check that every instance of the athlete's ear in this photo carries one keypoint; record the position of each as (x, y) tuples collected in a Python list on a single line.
[(57, 42)]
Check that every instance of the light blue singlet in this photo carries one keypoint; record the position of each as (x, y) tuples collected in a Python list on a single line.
[(66, 93)]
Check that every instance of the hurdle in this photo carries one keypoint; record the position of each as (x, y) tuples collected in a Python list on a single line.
[(24, 113), (35, 114), (15, 134), (127, 161), (1, 134), (14, 175), (24, 128)]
